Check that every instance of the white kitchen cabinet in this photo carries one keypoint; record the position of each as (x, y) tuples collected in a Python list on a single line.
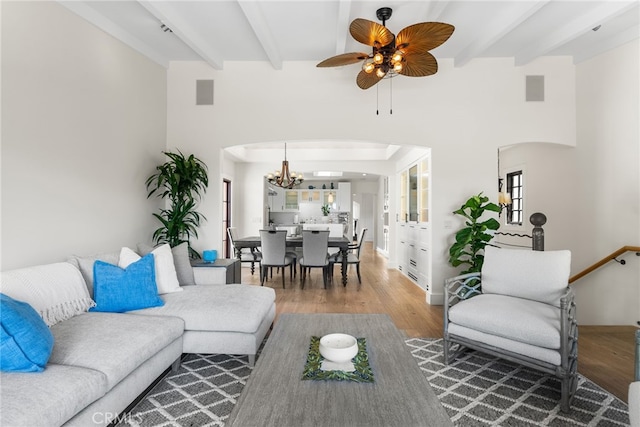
[(276, 199), (414, 192), (414, 233), (310, 196), (284, 200), (291, 200)]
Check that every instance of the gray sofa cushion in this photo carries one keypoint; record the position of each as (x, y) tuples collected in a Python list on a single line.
[(234, 308), (517, 319), (112, 343), (537, 275), (48, 398)]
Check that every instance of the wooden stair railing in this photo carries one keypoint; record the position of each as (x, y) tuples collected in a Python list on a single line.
[(605, 260)]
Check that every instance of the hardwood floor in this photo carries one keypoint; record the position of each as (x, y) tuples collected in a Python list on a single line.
[(605, 353)]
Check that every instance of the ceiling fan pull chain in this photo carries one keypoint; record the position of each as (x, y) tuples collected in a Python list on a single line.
[(390, 96), (377, 102)]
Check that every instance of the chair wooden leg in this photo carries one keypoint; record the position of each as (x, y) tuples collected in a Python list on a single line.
[(324, 276), (303, 275), (263, 272), (358, 271)]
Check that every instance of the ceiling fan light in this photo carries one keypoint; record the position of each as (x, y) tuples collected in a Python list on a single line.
[(397, 57), (368, 67), (378, 58), (380, 72), (397, 67)]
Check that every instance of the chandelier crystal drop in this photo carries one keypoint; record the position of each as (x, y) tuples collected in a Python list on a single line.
[(284, 178)]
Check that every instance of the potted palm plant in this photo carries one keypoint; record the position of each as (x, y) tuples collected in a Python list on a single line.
[(181, 181), (468, 248)]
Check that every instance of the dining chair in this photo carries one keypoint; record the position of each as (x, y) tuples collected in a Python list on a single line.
[(314, 253), (292, 254), (247, 255), (353, 255), (274, 253)]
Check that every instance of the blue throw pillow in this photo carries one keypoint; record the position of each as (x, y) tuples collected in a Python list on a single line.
[(117, 290), (25, 340)]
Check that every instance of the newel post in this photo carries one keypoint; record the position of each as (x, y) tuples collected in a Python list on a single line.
[(538, 219)]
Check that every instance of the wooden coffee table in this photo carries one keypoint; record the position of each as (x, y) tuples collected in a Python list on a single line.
[(276, 395)]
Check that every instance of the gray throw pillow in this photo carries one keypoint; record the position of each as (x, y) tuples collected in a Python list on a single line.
[(181, 262), (85, 265)]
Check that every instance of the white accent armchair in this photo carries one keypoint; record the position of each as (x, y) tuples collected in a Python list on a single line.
[(634, 389), (519, 308)]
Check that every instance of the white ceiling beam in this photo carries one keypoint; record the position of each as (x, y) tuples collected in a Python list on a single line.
[(619, 39), (260, 27), (88, 13), (499, 26), (435, 9), (165, 13), (572, 30), (344, 10)]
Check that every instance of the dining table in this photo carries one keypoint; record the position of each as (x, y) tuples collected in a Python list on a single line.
[(341, 243)]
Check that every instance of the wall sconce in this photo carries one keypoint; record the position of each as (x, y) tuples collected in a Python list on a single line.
[(504, 198)]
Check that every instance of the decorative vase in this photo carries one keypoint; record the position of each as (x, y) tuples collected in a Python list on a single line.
[(210, 256)]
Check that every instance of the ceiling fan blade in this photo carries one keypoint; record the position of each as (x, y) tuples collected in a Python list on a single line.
[(419, 64), (343, 59), (370, 33), (366, 80), (424, 36)]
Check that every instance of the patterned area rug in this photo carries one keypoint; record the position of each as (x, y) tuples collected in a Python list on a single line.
[(477, 390)]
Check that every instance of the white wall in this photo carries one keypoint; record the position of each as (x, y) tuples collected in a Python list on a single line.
[(463, 114), (366, 193), (84, 124), (608, 185), (591, 193)]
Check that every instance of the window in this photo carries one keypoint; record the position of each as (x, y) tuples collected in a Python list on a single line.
[(514, 189), (226, 217)]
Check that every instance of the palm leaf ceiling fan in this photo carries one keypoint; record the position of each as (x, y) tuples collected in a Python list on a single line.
[(406, 54)]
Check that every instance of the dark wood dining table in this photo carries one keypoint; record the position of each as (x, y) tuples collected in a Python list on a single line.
[(341, 243)]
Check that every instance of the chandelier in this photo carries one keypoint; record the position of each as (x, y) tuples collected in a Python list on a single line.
[(283, 178)]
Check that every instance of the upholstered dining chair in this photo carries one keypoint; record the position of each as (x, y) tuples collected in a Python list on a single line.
[(315, 244), (353, 255), (274, 253), (519, 308), (247, 255)]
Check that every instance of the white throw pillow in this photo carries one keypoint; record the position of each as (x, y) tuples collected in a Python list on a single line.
[(56, 291), (166, 277)]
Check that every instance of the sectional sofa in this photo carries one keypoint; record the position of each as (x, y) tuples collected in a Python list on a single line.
[(102, 359)]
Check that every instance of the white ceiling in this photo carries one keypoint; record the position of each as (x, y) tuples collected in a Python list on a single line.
[(217, 31)]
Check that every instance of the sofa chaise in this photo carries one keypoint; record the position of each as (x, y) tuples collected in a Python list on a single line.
[(101, 361)]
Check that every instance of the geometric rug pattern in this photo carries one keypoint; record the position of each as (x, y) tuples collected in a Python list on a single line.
[(482, 390), (476, 390)]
